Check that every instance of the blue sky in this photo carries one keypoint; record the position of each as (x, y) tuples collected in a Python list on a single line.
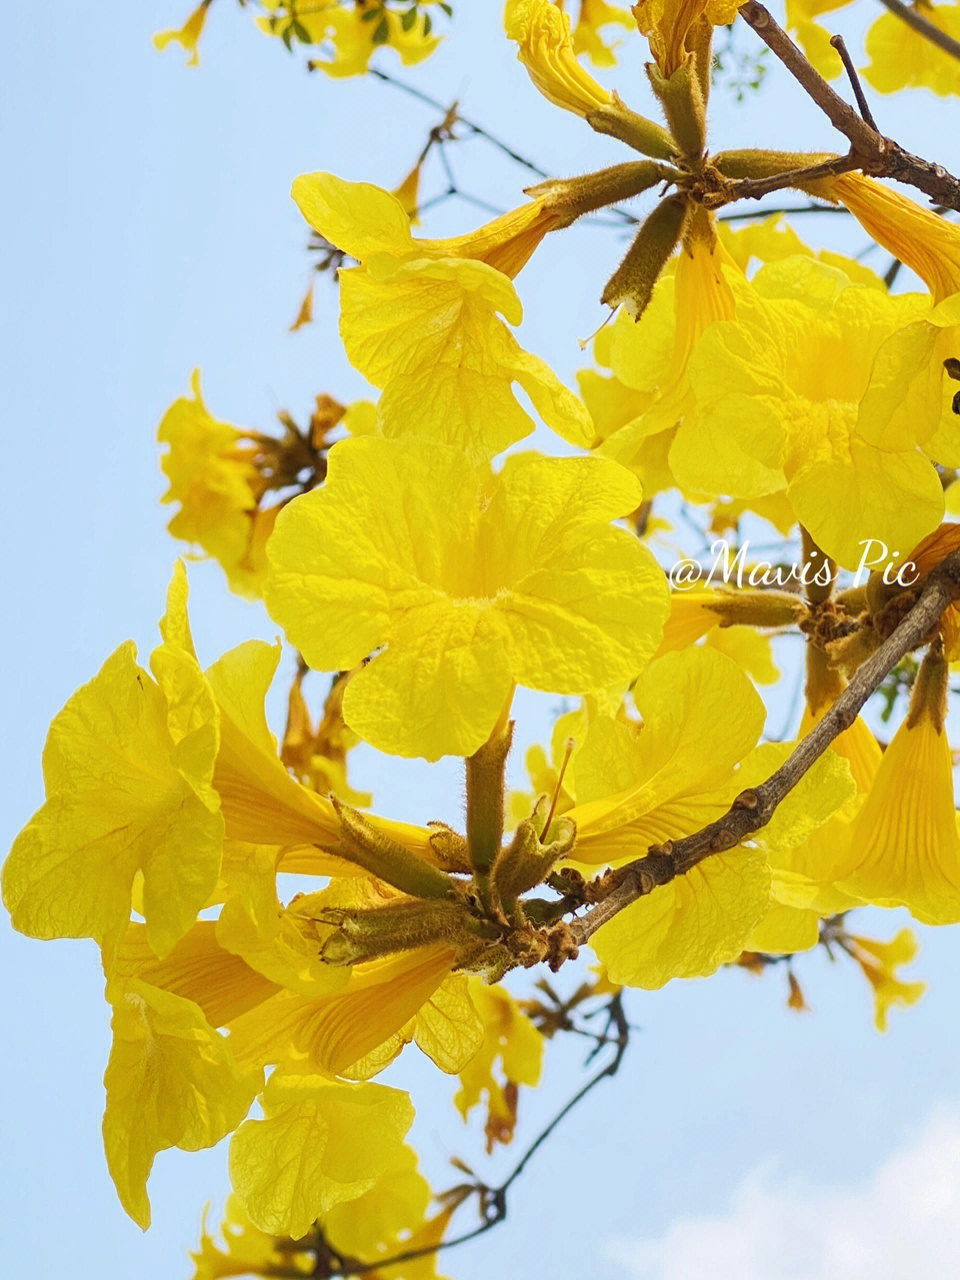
[(148, 229)]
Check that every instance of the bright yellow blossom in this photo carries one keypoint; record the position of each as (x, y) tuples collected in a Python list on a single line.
[(701, 720), (879, 962), (473, 582), (188, 35), (778, 393), (511, 1037), (901, 58), (592, 17), (128, 768), (651, 356), (904, 847), (667, 24), (546, 48), (339, 26), (928, 244), (359, 1030), (171, 1081), (212, 469), (421, 319), (319, 1144)]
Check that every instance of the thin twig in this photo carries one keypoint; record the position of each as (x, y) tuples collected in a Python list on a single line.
[(841, 48), (755, 807), (493, 1200), (746, 215), (913, 18)]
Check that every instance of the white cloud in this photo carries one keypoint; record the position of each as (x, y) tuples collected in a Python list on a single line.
[(902, 1223)]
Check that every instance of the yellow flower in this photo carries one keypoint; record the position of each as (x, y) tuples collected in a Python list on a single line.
[(511, 1037), (319, 1144), (695, 753), (214, 477), (701, 716), (928, 244), (360, 1029), (546, 49), (778, 394), (904, 847), (472, 581), (812, 38), (901, 58), (128, 768), (340, 25), (421, 319), (879, 961), (651, 356), (188, 35), (171, 1081), (248, 1250), (667, 23), (592, 17)]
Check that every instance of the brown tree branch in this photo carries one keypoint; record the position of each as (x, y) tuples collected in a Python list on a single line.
[(877, 155), (913, 18), (754, 808)]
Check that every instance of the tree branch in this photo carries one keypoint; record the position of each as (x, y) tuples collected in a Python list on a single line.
[(877, 155), (754, 808)]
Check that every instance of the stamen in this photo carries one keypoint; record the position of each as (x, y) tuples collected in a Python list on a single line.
[(569, 748)]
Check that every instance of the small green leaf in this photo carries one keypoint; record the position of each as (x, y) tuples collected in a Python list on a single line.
[(409, 18), (381, 32), (427, 25)]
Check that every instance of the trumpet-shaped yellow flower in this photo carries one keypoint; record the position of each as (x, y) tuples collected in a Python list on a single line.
[(928, 244), (652, 356), (879, 962), (200, 970), (694, 754), (171, 1082), (511, 1037), (212, 469), (391, 1218), (700, 717), (246, 1249), (373, 226), (188, 35), (778, 393), (812, 38), (901, 58), (904, 846), (771, 238), (546, 48), (667, 23), (593, 16), (421, 320), (360, 1029), (128, 767), (340, 26), (318, 1145), (472, 582)]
